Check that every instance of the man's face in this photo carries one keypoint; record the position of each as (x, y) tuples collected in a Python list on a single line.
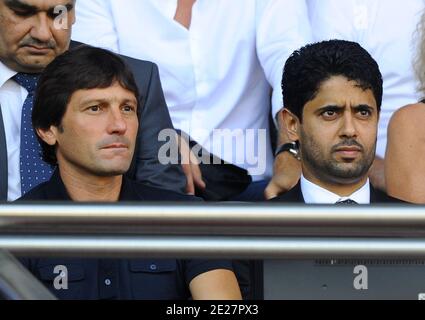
[(34, 32), (338, 133), (98, 132)]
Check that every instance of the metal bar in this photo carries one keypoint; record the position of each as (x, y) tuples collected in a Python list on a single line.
[(212, 247), (17, 283), (238, 214), (245, 219)]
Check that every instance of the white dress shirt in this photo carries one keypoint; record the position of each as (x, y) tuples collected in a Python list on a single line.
[(12, 97), (386, 28), (219, 74), (314, 194)]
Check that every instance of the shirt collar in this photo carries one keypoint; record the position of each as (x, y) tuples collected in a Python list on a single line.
[(58, 191), (314, 194), (5, 74)]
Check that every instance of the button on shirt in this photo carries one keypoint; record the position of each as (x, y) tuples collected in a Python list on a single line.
[(314, 194), (12, 97), (216, 76), (147, 278)]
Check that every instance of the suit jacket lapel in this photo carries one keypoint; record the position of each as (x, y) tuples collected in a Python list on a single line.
[(377, 196), (3, 162), (292, 196), (128, 191)]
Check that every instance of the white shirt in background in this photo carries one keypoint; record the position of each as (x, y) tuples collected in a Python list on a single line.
[(12, 97), (217, 75)]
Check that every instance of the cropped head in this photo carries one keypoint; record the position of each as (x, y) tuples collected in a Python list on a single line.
[(85, 112), (332, 97), (34, 32)]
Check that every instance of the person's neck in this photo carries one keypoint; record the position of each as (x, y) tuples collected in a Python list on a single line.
[(83, 187), (340, 188)]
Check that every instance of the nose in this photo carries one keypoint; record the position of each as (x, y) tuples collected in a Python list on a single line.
[(117, 124), (348, 126), (41, 29)]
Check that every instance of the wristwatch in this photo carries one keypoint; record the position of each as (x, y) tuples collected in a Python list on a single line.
[(292, 148)]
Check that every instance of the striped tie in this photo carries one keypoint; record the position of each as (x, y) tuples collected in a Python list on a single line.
[(349, 201)]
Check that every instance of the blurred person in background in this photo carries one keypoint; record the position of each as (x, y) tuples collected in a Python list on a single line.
[(404, 165)]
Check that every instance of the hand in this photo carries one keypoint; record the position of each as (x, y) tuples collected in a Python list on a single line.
[(287, 173), (190, 165)]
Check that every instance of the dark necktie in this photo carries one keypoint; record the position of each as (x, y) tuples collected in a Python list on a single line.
[(33, 169), (349, 201)]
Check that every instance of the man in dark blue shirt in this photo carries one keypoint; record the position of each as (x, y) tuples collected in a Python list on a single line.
[(85, 116)]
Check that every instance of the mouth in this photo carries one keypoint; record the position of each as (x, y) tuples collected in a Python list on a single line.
[(348, 152), (116, 146), (38, 50)]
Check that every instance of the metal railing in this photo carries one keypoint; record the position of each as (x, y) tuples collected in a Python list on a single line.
[(16, 282), (237, 231)]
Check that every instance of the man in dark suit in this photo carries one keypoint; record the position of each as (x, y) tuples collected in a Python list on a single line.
[(32, 34), (332, 94), (85, 116)]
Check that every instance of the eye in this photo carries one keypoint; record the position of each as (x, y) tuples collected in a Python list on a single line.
[(94, 109), (53, 15), (62, 12), (329, 114), (23, 13), (128, 108), (364, 113)]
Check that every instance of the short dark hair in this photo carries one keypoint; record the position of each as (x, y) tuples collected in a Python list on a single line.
[(83, 67), (307, 68)]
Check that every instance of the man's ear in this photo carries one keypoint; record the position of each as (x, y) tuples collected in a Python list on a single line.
[(48, 135), (291, 124)]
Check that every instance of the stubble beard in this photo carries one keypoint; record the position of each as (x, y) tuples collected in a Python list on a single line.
[(324, 167)]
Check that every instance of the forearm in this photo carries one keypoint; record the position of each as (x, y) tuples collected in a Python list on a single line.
[(215, 285)]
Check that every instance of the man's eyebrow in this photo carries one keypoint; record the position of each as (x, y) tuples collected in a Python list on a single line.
[(17, 4), (130, 101), (88, 102), (363, 106), (329, 107), (69, 6)]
